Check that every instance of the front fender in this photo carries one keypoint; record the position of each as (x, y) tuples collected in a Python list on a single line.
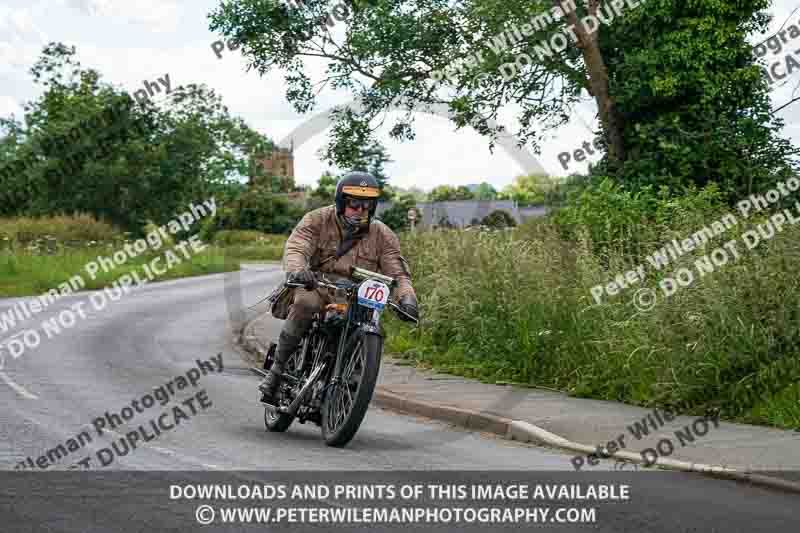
[(362, 332)]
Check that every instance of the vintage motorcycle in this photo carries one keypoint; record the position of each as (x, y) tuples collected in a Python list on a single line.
[(331, 377)]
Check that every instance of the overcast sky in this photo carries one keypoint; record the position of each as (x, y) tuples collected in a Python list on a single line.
[(131, 41)]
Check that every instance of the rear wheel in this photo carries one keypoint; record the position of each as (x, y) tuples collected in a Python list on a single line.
[(346, 403)]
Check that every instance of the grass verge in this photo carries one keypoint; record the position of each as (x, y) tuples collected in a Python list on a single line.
[(517, 307)]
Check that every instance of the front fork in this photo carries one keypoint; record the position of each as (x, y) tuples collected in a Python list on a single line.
[(372, 326)]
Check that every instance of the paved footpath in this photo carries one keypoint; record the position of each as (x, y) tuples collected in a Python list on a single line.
[(590, 422)]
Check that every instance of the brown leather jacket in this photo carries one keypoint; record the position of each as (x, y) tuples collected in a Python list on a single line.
[(317, 236)]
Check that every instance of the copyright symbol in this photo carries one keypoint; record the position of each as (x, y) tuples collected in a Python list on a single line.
[(204, 515), (481, 77), (644, 299), (620, 465)]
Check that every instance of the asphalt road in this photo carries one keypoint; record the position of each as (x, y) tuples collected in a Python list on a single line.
[(55, 393)]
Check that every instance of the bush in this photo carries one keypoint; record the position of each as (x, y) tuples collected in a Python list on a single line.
[(257, 210), (396, 217), (619, 221), (498, 219)]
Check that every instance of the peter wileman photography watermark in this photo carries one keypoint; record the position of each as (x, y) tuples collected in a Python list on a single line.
[(775, 45), (645, 298), (146, 432), (655, 420), (557, 42), (771, 73), (340, 12), (23, 310), (151, 88)]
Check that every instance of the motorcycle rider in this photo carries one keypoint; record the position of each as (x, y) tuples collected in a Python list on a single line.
[(331, 239)]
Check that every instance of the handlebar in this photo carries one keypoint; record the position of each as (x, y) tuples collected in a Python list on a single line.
[(320, 283), (324, 283)]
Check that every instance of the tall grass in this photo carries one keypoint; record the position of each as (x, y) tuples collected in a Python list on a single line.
[(516, 306), (65, 229), (251, 245)]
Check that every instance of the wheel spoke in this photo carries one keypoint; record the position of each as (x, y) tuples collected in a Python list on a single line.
[(340, 415), (334, 412), (342, 399), (349, 399), (348, 371), (355, 358)]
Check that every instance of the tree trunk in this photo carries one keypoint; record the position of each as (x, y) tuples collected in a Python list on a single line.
[(597, 82)]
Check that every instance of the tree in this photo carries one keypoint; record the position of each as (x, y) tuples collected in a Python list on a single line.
[(396, 217), (372, 158), (498, 219), (418, 194), (260, 210), (86, 147), (528, 189), (325, 193), (485, 191), (444, 193), (679, 96)]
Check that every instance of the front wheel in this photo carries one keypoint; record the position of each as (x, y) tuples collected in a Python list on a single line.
[(347, 402)]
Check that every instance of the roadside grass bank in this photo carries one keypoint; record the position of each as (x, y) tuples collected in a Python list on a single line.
[(27, 274), (38, 254), (516, 307), (250, 245)]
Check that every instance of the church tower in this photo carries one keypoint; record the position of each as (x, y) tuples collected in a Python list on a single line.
[(279, 164)]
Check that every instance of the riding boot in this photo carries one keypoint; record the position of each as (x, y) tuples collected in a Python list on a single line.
[(287, 344)]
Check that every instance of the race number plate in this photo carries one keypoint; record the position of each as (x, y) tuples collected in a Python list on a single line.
[(374, 294)]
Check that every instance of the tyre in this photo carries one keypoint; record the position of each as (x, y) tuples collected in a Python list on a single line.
[(279, 422), (345, 405)]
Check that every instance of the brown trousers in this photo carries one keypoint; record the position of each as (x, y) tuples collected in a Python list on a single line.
[(304, 305)]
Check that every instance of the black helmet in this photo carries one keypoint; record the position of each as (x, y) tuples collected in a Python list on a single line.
[(357, 184)]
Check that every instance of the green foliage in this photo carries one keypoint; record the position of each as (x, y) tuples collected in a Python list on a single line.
[(697, 109), (565, 189), (445, 193), (35, 270), (372, 158), (235, 237), (325, 193), (691, 102), (618, 219), (80, 228), (485, 191), (396, 217), (498, 219), (528, 189), (257, 210), (518, 307), (86, 147), (250, 245)]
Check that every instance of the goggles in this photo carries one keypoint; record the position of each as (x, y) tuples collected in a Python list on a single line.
[(359, 203)]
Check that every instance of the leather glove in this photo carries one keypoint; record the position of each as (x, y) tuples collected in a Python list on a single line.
[(304, 277), (408, 304)]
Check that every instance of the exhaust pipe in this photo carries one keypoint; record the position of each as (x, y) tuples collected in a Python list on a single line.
[(293, 408)]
